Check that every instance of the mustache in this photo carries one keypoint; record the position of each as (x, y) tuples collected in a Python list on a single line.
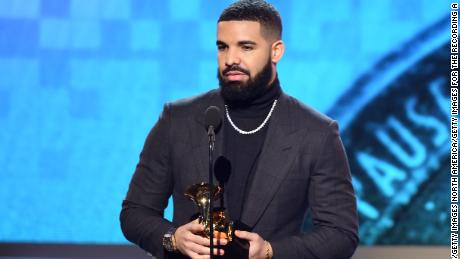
[(235, 68)]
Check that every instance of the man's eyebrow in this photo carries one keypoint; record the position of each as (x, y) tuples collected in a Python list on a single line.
[(247, 42), (243, 42)]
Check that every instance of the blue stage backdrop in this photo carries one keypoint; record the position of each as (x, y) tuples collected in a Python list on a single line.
[(83, 81)]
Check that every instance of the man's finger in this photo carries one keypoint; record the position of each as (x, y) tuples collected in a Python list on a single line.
[(199, 249), (200, 240), (195, 227), (206, 242), (245, 235), (203, 250), (220, 242)]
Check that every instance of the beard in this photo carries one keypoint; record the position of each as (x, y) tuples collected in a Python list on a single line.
[(238, 92)]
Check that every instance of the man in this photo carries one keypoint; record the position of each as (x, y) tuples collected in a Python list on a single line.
[(284, 158)]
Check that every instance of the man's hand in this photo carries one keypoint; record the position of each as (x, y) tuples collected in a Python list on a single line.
[(189, 243), (257, 245)]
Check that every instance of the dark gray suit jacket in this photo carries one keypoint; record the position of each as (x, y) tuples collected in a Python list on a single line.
[(302, 166)]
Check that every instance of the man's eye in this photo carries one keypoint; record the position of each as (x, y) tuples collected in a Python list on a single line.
[(221, 47), (247, 48)]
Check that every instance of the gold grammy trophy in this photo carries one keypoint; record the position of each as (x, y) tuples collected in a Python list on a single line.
[(199, 194)]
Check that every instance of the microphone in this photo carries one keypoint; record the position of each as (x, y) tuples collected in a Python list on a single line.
[(212, 119)]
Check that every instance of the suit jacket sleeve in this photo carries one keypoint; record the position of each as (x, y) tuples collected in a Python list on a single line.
[(142, 211), (332, 204)]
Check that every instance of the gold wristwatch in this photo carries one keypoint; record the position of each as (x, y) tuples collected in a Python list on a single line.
[(169, 241)]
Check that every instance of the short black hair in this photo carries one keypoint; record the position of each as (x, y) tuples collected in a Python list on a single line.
[(258, 11)]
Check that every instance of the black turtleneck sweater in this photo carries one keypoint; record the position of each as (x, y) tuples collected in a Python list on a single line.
[(243, 150)]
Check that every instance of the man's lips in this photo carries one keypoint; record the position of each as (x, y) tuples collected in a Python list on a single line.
[(235, 75)]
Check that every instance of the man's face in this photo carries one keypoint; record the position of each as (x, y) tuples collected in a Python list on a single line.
[(244, 59)]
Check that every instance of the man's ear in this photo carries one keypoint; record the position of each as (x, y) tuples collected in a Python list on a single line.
[(277, 51)]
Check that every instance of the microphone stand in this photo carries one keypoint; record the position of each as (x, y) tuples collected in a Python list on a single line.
[(212, 140)]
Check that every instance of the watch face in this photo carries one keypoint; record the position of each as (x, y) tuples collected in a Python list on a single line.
[(167, 242)]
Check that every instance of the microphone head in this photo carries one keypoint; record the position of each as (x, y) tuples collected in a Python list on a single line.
[(212, 117)]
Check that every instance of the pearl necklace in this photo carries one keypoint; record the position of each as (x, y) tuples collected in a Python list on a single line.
[(254, 130)]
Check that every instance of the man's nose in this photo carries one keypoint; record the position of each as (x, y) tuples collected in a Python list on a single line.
[(232, 58)]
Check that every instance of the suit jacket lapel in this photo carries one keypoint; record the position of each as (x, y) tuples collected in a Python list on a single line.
[(273, 165)]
